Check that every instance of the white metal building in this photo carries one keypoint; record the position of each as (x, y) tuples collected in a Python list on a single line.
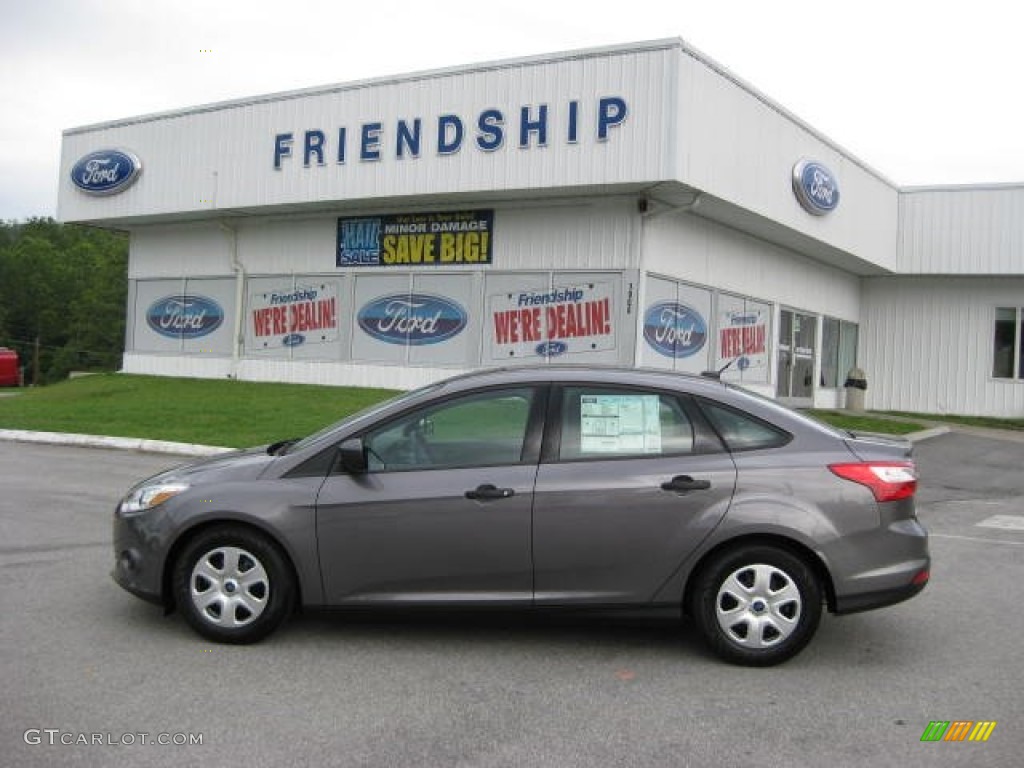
[(635, 205)]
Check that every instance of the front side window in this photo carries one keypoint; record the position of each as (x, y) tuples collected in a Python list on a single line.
[(482, 429), (610, 423), (1008, 346)]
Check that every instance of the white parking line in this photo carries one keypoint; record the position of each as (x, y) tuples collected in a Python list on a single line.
[(1003, 522), (975, 538)]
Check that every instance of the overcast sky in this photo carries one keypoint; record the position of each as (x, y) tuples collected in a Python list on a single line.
[(925, 92)]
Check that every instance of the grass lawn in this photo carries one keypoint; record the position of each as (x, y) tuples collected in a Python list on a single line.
[(867, 423), (970, 421), (234, 413), (213, 412)]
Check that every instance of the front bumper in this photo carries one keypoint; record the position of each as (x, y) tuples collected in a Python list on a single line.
[(138, 558)]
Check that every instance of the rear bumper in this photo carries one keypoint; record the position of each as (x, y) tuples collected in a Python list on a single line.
[(892, 565), (870, 600)]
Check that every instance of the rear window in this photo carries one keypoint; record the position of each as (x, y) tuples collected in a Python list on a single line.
[(740, 430)]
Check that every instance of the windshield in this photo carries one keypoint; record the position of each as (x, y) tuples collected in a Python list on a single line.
[(368, 411)]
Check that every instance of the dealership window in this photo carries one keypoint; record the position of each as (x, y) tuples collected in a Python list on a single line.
[(838, 351), (1008, 347), (744, 338)]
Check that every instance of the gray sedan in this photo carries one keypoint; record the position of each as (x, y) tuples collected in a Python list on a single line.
[(541, 487)]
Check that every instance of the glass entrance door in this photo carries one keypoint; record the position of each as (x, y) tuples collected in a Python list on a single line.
[(797, 335)]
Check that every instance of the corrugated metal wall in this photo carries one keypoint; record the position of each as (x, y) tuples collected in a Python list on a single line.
[(223, 157), (739, 146), (962, 231), (570, 235), (926, 344), (700, 251)]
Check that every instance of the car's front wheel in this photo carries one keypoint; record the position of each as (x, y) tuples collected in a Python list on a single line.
[(757, 605), (233, 585)]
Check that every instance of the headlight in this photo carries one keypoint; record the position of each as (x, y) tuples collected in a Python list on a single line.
[(149, 496)]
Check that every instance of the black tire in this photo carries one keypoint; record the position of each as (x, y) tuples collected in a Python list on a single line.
[(756, 605), (233, 585)]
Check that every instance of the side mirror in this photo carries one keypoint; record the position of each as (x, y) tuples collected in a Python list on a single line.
[(353, 455)]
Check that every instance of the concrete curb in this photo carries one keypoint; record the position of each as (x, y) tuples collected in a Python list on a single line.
[(927, 434), (120, 443)]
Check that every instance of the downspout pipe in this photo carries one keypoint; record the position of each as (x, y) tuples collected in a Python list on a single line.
[(239, 270)]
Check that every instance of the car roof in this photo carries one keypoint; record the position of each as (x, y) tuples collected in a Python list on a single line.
[(567, 372)]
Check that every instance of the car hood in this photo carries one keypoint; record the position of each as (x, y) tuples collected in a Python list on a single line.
[(237, 465)]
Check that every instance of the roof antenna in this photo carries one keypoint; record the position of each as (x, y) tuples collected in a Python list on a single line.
[(717, 375)]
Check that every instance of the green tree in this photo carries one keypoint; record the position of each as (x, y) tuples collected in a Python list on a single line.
[(65, 286)]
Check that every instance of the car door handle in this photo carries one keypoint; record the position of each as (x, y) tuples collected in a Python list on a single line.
[(489, 491), (684, 483)]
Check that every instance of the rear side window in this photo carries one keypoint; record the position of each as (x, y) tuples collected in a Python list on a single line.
[(740, 430), (610, 423)]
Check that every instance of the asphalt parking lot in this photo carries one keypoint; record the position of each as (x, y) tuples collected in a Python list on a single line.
[(82, 658)]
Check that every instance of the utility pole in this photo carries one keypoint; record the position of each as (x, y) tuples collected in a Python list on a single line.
[(35, 365)]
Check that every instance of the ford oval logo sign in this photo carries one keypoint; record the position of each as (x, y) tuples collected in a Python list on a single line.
[(414, 319), (674, 330), (294, 340), (184, 317), (815, 187), (552, 348), (107, 172)]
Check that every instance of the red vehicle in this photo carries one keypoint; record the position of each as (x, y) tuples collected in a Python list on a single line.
[(8, 367)]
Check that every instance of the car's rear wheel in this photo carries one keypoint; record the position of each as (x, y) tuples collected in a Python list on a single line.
[(757, 605), (233, 585)]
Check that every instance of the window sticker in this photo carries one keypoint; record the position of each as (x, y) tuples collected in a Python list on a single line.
[(620, 424)]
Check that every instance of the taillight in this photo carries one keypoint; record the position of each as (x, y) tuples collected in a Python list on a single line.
[(888, 480)]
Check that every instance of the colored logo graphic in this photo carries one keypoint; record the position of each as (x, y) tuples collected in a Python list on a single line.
[(293, 340), (107, 172), (958, 730), (551, 348), (414, 319), (816, 187), (184, 317), (674, 330)]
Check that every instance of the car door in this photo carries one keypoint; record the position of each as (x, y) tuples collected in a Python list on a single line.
[(443, 512), (627, 488)]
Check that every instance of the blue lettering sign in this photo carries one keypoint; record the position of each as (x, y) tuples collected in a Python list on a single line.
[(537, 123), (491, 132), (409, 139), (449, 134), (369, 146), (282, 148), (314, 145), (611, 111), (538, 126)]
